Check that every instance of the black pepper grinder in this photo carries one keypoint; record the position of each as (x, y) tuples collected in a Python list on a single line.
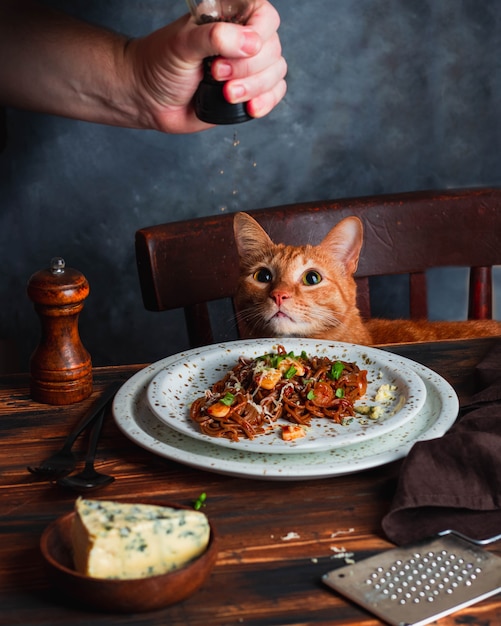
[(210, 104), (61, 368)]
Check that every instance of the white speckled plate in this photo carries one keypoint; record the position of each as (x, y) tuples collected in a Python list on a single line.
[(135, 419), (185, 377)]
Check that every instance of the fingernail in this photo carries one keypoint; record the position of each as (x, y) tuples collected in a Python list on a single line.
[(223, 70), (237, 92), (251, 41)]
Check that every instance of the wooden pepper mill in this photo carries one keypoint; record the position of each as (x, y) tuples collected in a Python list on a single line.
[(61, 368)]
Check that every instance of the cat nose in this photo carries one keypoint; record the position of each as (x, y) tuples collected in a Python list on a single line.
[(279, 296)]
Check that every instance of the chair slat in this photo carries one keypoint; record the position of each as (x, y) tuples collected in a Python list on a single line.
[(363, 296), (480, 293), (198, 325), (418, 296)]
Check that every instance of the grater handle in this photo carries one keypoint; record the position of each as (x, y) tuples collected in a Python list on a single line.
[(477, 542)]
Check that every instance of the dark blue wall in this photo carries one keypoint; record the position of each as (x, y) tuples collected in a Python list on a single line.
[(384, 96)]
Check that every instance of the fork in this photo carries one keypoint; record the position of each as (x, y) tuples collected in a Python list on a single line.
[(63, 462), (88, 478)]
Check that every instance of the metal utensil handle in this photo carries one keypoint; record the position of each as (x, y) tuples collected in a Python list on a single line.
[(92, 413), (477, 542), (94, 438)]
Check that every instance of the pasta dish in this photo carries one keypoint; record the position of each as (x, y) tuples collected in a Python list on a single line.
[(255, 393)]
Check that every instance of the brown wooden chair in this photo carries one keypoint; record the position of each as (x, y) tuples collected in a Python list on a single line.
[(189, 263)]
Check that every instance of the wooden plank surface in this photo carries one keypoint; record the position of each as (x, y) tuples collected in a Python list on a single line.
[(262, 577)]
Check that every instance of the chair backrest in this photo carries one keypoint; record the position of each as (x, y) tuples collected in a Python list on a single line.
[(187, 264)]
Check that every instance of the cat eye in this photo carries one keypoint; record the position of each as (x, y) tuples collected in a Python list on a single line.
[(312, 277), (263, 275)]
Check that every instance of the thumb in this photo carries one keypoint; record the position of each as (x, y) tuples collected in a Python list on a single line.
[(224, 39)]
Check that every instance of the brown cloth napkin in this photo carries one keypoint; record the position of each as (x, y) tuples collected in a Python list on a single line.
[(454, 482)]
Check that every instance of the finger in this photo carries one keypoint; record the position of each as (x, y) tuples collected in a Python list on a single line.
[(236, 41), (265, 20), (266, 102), (223, 39), (227, 69), (252, 86), (233, 40)]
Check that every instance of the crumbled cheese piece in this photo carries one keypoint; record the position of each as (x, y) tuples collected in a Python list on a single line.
[(363, 409), (376, 412), (289, 536), (341, 553), (385, 393), (119, 540), (373, 412), (342, 532), (399, 405)]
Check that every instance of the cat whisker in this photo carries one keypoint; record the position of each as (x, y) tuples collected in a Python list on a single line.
[(325, 318), (251, 316), (317, 313)]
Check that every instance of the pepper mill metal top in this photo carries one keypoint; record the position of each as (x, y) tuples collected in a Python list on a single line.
[(61, 368)]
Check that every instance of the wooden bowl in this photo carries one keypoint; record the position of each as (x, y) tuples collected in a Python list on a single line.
[(133, 595)]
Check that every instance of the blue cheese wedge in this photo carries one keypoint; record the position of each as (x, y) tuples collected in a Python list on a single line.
[(123, 540)]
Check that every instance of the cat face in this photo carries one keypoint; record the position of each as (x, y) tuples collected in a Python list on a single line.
[(297, 291)]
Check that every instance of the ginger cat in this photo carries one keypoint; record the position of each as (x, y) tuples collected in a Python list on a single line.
[(309, 291)]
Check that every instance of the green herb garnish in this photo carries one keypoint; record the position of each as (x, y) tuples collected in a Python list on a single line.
[(228, 399), (292, 371), (310, 395), (200, 501), (276, 359), (339, 393), (336, 370)]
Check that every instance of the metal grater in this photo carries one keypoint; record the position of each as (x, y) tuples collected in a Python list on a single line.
[(416, 584)]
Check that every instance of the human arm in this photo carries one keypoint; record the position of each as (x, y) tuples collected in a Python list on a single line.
[(56, 64)]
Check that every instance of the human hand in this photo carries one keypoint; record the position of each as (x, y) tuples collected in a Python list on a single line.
[(167, 68)]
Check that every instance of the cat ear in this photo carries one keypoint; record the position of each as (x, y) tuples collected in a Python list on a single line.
[(344, 242), (249, 235)]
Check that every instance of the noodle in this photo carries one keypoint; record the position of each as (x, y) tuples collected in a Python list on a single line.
[(253, 395)]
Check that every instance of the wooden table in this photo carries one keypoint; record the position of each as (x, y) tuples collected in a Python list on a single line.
[(260, 578)]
